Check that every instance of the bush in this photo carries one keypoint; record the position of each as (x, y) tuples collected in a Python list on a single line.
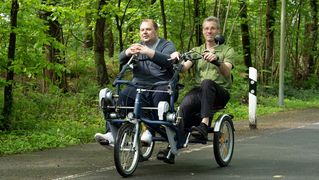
[(54, 120)]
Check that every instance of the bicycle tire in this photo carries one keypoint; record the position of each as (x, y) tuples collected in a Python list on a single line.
[(224, 143), (126, 156), (146, 152)]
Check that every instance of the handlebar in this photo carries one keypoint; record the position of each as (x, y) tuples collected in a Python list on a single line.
[(173, 81), (187, 56), (130, 83), (124, 68), (219, 40), (193, 55)]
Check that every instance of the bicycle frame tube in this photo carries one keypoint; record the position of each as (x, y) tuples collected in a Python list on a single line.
[(136, 135), (137, 104)]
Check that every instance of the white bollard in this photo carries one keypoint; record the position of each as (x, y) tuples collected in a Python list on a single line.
[(252, 98)]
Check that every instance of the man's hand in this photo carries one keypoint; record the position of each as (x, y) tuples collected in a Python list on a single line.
[(135, 49), (175, 56), (211, 57), (147, 51)]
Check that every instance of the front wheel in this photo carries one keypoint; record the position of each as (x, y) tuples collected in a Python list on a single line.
[(126, 150), (224, 143)]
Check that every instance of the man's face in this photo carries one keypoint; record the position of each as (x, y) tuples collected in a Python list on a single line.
[(210, 30), (147, 32)]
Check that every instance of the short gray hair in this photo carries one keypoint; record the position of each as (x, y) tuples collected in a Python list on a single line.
[(213, 19)]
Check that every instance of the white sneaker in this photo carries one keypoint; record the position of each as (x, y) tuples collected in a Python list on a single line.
[(146, 138), (105, 139)]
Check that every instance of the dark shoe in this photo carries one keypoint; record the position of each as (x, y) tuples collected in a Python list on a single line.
[(200, 132), (162, 155)]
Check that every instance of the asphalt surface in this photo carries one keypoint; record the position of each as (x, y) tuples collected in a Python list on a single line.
[(284, 146)]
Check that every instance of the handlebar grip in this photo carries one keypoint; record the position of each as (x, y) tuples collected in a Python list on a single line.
[(118, 81), (216, 62)]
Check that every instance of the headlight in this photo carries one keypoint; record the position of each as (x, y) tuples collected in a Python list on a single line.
[(171, 117), (162, 108), (105, 97)]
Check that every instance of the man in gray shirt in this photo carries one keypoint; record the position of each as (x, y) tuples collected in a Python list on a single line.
[(152, 66)]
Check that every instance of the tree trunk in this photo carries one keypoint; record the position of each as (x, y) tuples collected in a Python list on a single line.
[(198, 30), (54, 55), (119, 22), (110, 39), (245, 34), (182, 27), (270, 32), (88, 37), (163, 18), (192, 21), (296, 57), (307, 54), (215, 8), (8, 96), (313, 36), (120, 31), (101, 71)]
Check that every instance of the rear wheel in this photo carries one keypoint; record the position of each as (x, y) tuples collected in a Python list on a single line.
[(224, 143), (126, 151), (146, 151)]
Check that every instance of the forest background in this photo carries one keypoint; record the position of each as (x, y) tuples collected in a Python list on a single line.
[(55, 56)]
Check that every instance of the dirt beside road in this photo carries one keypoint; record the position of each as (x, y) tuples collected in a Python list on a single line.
[(281, 120)]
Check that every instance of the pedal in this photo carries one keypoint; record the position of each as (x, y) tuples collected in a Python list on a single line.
[(198, 138)]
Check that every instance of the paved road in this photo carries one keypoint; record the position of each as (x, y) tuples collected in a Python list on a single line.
[(285, 146)]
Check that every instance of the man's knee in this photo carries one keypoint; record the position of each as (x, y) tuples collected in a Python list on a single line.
[(208, 83)]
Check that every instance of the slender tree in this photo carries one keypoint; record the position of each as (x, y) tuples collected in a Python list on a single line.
[(215, 8), (54, 54), (192, 21), (101, 71), (8, 95), (88, 37), (163, 18), (270, 42), (120, 21), (197, 21), (313, 28), (110, 38), (182, 27), (245, 33), (295, 64)]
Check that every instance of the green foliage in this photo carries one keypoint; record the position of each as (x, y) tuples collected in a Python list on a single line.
[(54, 120)]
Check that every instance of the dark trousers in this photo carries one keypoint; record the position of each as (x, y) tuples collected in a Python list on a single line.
[(151, 99), (127, 96), (201, 101)]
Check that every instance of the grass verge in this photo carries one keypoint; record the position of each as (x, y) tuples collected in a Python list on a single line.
[(44, 121)]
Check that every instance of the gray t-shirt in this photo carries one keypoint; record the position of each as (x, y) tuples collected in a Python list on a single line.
[(159, 68)]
